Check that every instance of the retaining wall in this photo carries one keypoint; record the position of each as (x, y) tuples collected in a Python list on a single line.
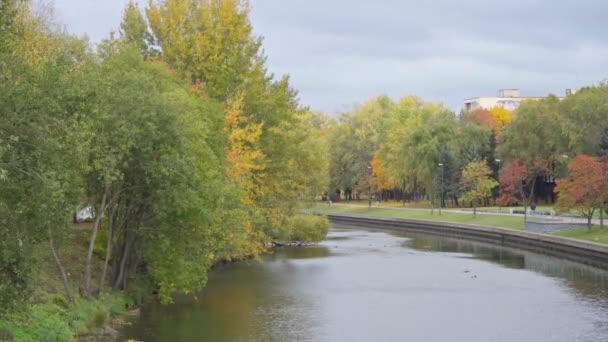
[(580, 251)]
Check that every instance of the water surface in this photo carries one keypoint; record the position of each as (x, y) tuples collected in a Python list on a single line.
[(378, 286)]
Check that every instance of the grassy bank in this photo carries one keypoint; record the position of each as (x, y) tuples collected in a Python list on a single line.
[(488, 220), (48, 316), (594, 235), (500, 221)]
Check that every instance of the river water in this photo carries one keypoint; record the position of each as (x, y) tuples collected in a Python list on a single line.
[(362, 285)]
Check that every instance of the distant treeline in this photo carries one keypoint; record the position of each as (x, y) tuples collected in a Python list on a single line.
[(411, 149)]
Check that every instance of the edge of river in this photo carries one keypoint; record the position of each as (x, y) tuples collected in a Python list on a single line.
[(584, 252)]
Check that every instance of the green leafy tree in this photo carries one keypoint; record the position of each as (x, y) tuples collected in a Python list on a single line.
[(354, 141), (42, 158), (418, 143), (584, 121), (134, 29), (535, 140), (477, 182)]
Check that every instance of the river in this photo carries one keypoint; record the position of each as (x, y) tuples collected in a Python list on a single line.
[(362, 285)]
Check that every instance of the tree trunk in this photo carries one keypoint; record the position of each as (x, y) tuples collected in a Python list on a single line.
[(64, 277), (119, 282), (474, 208), (602, 218), (108, 248), (589, 222), (432, 204), (527, 199), (85, 285)]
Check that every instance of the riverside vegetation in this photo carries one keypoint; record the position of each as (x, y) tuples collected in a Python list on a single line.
[(188, 150), (191, 152)]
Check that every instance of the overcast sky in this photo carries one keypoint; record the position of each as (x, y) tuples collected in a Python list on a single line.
[(342, 52)]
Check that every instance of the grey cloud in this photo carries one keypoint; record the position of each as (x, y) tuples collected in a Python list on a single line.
[(341, 52)]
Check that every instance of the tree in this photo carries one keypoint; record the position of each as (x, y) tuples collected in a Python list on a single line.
[(500, 117), (380, 181), (415, 139), (481, 117), (586, 187), (211, 44), (207, 41), (517, 182), (584, 120), (534, 141), (42, 158), (354, 141), (134, 29), (477, 182)]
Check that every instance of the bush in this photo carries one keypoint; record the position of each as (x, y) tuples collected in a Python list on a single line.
[(309, 228), (47, 325), (15, 273)]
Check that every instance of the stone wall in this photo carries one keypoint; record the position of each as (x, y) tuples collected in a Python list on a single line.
[(589, 253)]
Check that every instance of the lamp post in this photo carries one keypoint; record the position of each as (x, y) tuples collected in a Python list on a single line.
[(498, 161), (441, 195), (369, 195)]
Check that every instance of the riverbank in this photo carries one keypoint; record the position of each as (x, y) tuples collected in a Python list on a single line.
[(585, 252), (48, 316), (499, 221), (488, 220)]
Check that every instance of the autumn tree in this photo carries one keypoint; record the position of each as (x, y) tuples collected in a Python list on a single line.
[(481, 117), (534, 141), (500, 118), (517, 182), (354, 141), (379, 178), (477, 182), (211, 44), (586, 187)]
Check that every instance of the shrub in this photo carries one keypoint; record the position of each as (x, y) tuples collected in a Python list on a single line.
[(309, 228), (46, 325)]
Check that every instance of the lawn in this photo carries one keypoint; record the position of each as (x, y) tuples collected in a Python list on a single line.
[(594, 235), (511, 222)]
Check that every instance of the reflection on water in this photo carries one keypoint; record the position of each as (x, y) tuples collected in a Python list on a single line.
[(376, 286)]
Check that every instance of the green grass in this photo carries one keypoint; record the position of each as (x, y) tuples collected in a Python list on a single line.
[(48, 316), (511, 222), (594, 235)]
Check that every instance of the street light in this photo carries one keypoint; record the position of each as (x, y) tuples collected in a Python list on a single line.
[(498, 161), (369, 196), (441, 196)]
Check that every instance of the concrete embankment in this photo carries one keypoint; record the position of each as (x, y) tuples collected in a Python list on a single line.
[(580, 251)]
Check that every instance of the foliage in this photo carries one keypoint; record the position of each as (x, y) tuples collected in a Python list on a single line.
[(419, 143), (41, 155), (134, 29), (535, 135), (354, 140), (584, 120), (308, 228), (477, 182), (270, 153), (586, 187), (500, 117)]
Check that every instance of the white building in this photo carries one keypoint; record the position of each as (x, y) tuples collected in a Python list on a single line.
[(509, 99)]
